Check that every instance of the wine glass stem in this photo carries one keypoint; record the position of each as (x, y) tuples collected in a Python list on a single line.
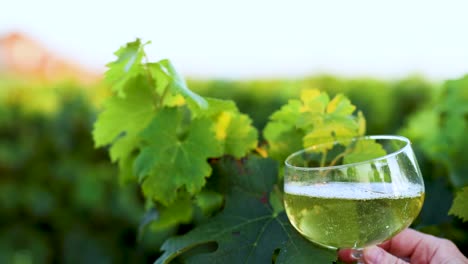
[(356, 253)]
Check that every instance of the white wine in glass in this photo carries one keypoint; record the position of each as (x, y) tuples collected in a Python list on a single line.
[(353, 193)]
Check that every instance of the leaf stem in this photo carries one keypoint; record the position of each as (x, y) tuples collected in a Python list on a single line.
[(341, 155), (338, 157), (323, 160), (161, 98)]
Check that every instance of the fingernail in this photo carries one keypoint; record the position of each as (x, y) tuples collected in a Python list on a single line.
[(356, 254)]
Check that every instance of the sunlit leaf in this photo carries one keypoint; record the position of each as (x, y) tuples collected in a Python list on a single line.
[(127, 66), (233, 129), (364, 150), (166, 75), (175, 158), (460, 204), (316, 119), (121, 121)]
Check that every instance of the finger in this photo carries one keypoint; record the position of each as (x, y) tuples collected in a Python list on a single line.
[(345, 255), (406, 243), (377, 255), (402, 245)]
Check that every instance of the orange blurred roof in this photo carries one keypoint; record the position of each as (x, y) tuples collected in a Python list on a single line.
[(23, 57)]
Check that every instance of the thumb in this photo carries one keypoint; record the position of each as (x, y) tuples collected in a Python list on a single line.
[(376, 255)]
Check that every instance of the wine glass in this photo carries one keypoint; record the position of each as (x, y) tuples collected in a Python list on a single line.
[(353, 193)]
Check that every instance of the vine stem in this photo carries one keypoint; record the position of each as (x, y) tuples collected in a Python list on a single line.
[(348, 150), (338, 157), (323, 160)]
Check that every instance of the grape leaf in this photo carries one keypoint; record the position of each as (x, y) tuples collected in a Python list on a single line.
[(240, 136), (233, 129), (288, 114), (276, 200), (172, 158), (281, 133), (121, 121), (340, 105), (209, 201), (180, 211), (460, 204), (246, 234), (326, 121), (165, 75), (127, 66), (364, 150), (126, 169), (216, 106), (312, 120), (285, 143), (314, 101)]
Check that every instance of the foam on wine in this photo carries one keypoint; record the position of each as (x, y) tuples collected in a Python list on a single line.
[(353, 190)]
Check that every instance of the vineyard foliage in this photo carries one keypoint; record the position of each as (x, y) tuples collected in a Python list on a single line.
[(141, 168)]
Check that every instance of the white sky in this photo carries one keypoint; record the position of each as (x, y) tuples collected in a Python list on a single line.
[(245, 39)]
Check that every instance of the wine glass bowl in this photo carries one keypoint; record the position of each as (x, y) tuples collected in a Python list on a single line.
[(353, 193)]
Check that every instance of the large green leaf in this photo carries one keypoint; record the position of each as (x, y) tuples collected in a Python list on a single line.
[(121, 121), (248, 230), (175, 155)]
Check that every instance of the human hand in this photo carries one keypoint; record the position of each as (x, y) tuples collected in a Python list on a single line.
[(410, 246)]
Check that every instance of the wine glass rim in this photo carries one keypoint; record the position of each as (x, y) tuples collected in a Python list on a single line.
[(388, 155)]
